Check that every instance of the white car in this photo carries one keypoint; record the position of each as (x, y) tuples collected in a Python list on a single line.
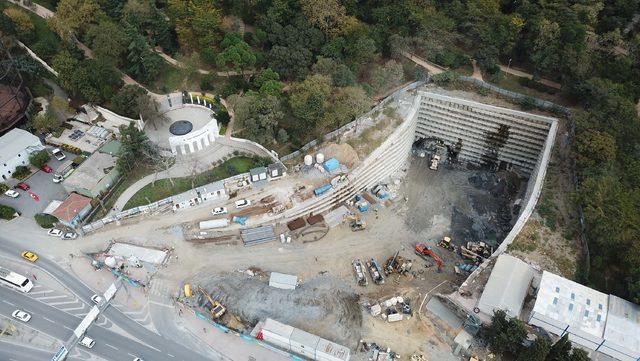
[(96, 299), (138, 359), (70, 235), (57, 178), (57, 153), (241, 203), (11, 193), (219, 210), (21, 315), (87, 342), (55, 232)]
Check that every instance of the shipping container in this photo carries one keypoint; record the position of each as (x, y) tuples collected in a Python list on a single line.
[(331, 351), (277, 333), (214, 223), (303, 343)]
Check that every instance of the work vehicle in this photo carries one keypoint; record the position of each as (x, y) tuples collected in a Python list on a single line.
[(358, 225), (24, 186), (434, 162), (70, 235), (15, 281), (57, 153), (219, 210), (87, 342), (242, 203), (446, 243), (216, 309), (11, 193), (45, 168), (29, 256), (375, 271), (361, 276), (57, 178), (476, 251), (96, 299), (397, 264), (21, 315), (425, 252), (54, 232)]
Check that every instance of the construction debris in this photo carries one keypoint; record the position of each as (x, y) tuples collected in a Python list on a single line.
[(397, 264), (377, 352), (258, 235)]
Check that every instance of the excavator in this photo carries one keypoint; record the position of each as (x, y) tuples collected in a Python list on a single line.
[(425, 252), (216, 309)]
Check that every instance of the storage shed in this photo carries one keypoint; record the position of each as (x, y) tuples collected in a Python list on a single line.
[(258, 174), (563, 306), (507, 286), (283, 281)]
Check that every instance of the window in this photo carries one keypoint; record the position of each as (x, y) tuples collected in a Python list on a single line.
[(586, 313), (573, 296), (571, 307), (599, 318), (588, 302), (600, 306), (555, 300), (557, 289)]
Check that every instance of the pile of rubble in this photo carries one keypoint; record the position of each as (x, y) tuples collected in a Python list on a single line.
[(393, 309)]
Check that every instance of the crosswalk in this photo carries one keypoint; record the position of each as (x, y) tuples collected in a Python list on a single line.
[(162, 289)]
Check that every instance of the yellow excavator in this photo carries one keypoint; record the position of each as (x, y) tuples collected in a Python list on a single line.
[(216, 309)]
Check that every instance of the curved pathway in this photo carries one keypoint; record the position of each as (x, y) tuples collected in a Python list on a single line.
[(180, 64)]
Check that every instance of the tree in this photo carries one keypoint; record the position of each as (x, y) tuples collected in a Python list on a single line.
[(327, 15), (73, 17), (309, 100), (561, 350), (148, 109), (235, 54), (7, 212), (258, 116), (536, 352), (339, 73), (290, 62), (38, 159), (125, 102), (594, 149), (21, 20), (45, 122), (346, 105), (388, 76), (108, 41), (198, 23), (505, 335), (135, 149), (144, 63)]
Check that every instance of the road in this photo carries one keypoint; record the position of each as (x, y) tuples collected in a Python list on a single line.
[(14, 352), (152, 339)]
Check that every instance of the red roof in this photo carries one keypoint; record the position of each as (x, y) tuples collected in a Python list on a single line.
[(70, 208)]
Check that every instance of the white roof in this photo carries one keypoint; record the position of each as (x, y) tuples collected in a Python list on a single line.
[(507, 286), (52, 207), (282, 278), (15, 141), (623, 324), (572, 304), (277, 328), (149, 255)]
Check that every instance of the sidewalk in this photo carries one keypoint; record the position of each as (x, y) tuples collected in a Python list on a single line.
[(231, 345)]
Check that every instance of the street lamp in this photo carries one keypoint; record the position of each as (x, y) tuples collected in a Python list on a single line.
[(509, 65)]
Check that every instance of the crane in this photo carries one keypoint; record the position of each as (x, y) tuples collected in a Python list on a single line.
[(423, 251)]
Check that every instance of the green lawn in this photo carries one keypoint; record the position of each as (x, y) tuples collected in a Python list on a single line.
[(163, 188)]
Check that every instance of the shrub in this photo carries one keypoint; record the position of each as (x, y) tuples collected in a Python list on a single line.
[(3, 187), (527, 103), (45, 220), (207, 82), (444, 78), (39, 159), (21, 172), (7, 212)]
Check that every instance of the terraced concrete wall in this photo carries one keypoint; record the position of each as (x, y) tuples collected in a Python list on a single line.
[(488, 134)]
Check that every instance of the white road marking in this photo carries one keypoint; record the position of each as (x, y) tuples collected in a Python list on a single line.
[(113, 347), (52, 321), (61, 303), (161, 304), (7, 302), (72, 308), (170, 355), (67, 327), (51, 297), (130, 354)]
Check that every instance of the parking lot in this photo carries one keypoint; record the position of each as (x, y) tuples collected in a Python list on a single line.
[(42, 185)]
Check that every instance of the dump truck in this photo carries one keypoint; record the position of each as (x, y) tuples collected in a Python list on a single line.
[(375, 271), (361, 276)]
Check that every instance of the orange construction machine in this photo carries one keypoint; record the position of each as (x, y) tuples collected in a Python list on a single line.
[(425, 252)]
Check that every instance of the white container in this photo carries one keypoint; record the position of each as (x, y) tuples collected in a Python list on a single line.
[(214, 223), (330, 351), (376, 310), (308, 159), (395, 317), (303, 343), (320, 158), (277, 333)]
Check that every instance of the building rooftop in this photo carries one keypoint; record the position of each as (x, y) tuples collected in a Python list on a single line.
[(113, 147), (571, 303), (91, 171), (258, 170), (15, 141), (507, 286), (70, 208), (211, 187), (623, 324)]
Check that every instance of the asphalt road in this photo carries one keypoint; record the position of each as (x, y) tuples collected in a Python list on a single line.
[(154, 340), (58, 324), (13, 352)]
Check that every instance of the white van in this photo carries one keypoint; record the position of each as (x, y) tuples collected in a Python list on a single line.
[(87, 342)]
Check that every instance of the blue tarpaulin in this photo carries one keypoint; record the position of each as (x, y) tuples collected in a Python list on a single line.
[(324, 188), (331, 164)]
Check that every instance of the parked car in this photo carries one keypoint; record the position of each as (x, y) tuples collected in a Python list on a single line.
[(29, 256), (57, 178), (45, 168), (219, 210), (24, 186), (87, 342), (70, 235), (138, 359), (21, 315), (57, 153), (11, 193), (55, 232), (241, 203), (96, 299)]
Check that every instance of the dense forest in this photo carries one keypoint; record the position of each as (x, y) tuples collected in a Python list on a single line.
[(308, 66)]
